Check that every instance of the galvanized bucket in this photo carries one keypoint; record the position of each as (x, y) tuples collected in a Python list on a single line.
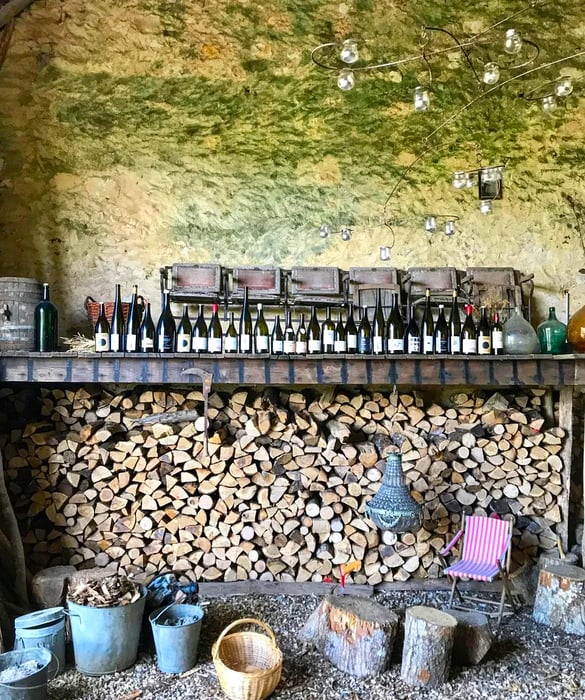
[(32, 686), (176, 644)]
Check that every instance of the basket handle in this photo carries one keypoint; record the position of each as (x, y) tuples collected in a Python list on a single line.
[(88, 301), (243, 621)]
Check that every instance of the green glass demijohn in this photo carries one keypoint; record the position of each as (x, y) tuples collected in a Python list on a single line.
[(552, 334)]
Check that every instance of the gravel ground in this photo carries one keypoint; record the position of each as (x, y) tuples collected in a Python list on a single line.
[(527, 662)]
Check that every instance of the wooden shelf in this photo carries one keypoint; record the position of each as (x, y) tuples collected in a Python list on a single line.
[(441, 370)]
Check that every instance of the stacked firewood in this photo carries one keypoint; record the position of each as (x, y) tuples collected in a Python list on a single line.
[(280, 493)]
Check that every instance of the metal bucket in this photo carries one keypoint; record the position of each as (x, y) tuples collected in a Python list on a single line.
[(176, 644), (44, 628), (18, 298), (105, 640), (31, 687)]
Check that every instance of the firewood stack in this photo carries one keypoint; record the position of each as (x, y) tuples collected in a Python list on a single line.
[(282, 491)]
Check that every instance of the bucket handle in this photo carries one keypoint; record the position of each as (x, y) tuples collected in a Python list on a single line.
[(170, 605), (237, 623), (34, 687)]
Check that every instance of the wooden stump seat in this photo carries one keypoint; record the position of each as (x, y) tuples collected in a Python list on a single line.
[(560, 598)]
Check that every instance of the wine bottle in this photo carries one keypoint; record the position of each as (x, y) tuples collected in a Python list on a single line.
[(313, 334), (117, 324), (214, 332), (261, 335), (497, 335), (469, 333), (441, 339), (199, 337), (301, 337), (102, 331), (379, 326), (166, 329), (328, 333), (184, 331), (427, 327), (290, 338), (365, 334), (484, 334), (395, 330), (351, 332), (230, 339), (412, 337), (339, 340), (245, 330), (277, 337), (455, 326), (132, 323), (147, 331)]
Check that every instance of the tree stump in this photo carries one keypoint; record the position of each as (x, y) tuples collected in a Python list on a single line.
[(428, 645), (560, 598), (48, 585), (473, 637), (355, 634)]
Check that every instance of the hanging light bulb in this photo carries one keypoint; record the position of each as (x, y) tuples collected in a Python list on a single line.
[(460, 179), (491, 73), (346, 233), (430, 224), (564, 86), (549, 103), (512, 42), (421, 99), (384, 252), (324, 230), (471, 180), (345, 79), (449, 228), (486, 206), (349, 51)]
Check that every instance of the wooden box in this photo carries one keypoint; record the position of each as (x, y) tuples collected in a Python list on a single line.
[(263, 283), (192, 281), (315, 284), (364, 281)]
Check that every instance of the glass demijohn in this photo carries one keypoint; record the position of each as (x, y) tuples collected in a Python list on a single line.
[(552, 333)]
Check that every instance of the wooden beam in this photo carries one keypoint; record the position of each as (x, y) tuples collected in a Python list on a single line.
[(566, 455), (11, 9)]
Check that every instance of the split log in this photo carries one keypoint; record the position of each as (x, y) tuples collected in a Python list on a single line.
[(355, 634), (49, 586), (473, 637), (560, 598), (428, 645)]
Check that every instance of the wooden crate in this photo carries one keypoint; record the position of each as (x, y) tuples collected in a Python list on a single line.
[(263, 283), (364, 281), (315, 285), (192, 281)]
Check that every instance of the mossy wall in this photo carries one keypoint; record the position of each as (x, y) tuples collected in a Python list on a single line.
[(142, 133)]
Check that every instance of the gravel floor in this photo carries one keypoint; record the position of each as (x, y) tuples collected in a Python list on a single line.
[(527, 661)]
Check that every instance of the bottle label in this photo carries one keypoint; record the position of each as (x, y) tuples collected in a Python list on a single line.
[(277, 347), (261, 343), (147, 344), (102, 342), (231, 343), (428, 344), (314, 345), (131, 343), (301, 347), (115, 342), (214, 344), (396, 345), (199, 344), (165, 343), (290, 347), (455, 343), (484, 345), (364, 345), (328, 337), (352, 342), (469, 346), (378, 344), (441, 346), (413, 345), (497, 340), (183, 342), (245, 341), (340, 346)]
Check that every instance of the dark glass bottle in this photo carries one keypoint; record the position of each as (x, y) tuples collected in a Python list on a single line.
[(441, 333), (379, 327), (313, 334), (351, 335), (497, 335), (261, 334), (277, 337), (199, 337), (455, 326), (147, 331), (412, 336), (214, 332), (340, 340), (184, 331), (301, 337), (102, 331), (117, 324), (469, 333), (484, 334), (245, 330), (166, 329), (230, 339), (427, 327), (395, 330), (290, 337), (328, 333), (365, 334), (132, 323)]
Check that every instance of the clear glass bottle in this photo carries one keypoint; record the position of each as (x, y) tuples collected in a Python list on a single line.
[(519, 336), (552, 334)]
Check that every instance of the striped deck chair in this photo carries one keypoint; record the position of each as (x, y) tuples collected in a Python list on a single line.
[(485, 555)]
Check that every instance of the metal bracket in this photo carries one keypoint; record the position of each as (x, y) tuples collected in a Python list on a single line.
[(206, 379)]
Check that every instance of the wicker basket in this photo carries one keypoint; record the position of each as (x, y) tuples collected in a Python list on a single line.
[(248, 664), (93, 311)]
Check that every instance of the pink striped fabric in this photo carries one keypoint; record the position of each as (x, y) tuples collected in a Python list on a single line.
[(484, 542)]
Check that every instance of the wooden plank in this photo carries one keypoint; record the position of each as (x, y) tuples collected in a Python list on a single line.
[(566, 454), (281, 588)]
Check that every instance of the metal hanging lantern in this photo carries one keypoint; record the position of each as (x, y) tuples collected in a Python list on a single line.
[(393, 508)]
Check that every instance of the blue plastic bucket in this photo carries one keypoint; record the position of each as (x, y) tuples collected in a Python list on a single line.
[(105, 640), (32, 686), (176, 630), (44, 628)]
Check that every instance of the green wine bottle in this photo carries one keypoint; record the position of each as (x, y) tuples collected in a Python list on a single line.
[(261, 335), (184, 331)]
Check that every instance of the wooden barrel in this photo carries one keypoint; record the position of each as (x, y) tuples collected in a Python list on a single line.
[(18, 298)]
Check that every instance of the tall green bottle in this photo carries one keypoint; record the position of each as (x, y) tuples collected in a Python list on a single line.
[(46, 324)]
